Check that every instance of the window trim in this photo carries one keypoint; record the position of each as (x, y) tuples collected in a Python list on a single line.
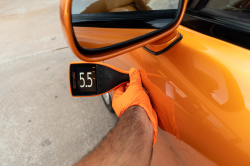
[(227, 17), (200, 19)]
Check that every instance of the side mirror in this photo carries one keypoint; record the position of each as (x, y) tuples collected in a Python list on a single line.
[(100, 29)]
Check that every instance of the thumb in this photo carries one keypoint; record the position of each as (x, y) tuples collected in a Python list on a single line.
[(135, 77)]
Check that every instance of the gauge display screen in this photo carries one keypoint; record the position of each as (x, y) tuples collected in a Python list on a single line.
[(83, 79), (89, 79)]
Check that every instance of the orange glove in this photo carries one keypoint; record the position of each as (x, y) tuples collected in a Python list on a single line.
[(134, 95), (163, 106)]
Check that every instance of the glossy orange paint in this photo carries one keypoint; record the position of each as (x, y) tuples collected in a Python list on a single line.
[(91, 38), (208, 80), (65, 16)]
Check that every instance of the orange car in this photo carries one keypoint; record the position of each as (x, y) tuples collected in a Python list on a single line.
[(200, 50)]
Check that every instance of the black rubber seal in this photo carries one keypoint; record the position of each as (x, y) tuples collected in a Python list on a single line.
[(165, 49)]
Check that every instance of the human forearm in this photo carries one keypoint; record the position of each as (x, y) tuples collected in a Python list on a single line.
[(129, 143)]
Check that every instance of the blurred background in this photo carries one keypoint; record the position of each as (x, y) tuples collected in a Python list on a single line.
[(40, 123)]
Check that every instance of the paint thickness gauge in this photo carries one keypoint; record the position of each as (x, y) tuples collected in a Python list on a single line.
[(94, 78)]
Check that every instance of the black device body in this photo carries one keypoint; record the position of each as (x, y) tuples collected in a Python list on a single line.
[(89, 79)]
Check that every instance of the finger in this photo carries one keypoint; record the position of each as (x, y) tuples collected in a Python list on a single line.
[(135, 77), (119, 91), (145, 81), (126, 87)]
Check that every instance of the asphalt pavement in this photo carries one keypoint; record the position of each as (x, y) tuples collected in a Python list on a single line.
[(40, 123)]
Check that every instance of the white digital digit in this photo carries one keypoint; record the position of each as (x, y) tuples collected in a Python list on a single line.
[(81, 78), (89, 78)]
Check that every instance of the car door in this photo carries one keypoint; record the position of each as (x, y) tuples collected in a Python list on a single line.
[(203, 67), (207, 76)]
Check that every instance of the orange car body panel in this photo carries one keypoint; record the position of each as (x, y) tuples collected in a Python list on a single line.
[(65, 16), (91, 38), (209, 82)]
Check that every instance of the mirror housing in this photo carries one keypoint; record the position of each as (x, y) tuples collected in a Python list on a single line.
[(66, 22)]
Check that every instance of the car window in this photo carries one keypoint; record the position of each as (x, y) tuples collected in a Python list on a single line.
[(235, 13), (228, 20), (241, 6)]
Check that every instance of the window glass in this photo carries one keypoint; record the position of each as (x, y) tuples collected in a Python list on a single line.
[(231, 5)]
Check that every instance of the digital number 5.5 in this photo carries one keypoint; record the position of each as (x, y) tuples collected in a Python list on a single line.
[(81, 78), (89, 78)]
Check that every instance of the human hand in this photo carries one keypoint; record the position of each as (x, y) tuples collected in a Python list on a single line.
[(125, 97)]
